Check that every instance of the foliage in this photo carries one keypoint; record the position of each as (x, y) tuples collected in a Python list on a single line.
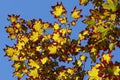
[(37, 52)]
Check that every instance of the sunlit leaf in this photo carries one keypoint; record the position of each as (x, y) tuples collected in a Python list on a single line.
[(76, 13), (44, 60), (62, 20), (34, 73), (83, 2), (111, 5), (116, 70), (33, 63), (58, 10), (13, 18)]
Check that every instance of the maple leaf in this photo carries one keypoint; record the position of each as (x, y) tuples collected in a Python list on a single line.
[(116, 70), (52, 49), (83, 58), (90, 21), (10, 30), (107, 57), (70, 71), (83, 2), (58, 10), (62, 75), (79, 63), (62, 20), (33, 73), (76, 13), (56, 26), (46, 25), (110, 5), (94, 73), (34, 36), (13, 18), (56, 37), (38, 25), (44, 60), (33, 64), (73, 22), (111, 46), (20, 73)]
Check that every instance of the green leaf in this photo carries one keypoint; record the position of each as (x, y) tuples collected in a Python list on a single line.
[(90, 21), (111, 46), (110, 5)]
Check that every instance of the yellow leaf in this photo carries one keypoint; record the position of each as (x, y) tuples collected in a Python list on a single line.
[(56, 26), (20, 45), (44, 60), (70, 71), (113, 17), (56, 37), (38, 25), (94, 74), (46, 37), (9, 51), (33, 73), (81, 37), (20, 73), (13, 18), (33, 63), (77, 78), (73, 23), (62, 20), (14, 57), (46, 25), (69, 58), (83, 2), (62, 75), (79, 63), (116, 70), (106, 57), (12, 36), (34, 36), (83, 58), (86, 32), (58, 10), (10, 30), (52, 49), (76, 13), (17, 25), (38, 48)]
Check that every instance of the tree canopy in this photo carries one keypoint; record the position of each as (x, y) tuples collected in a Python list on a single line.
[(41, 45)]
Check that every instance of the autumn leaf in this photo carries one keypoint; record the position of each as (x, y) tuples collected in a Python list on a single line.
[(106, 57), (83, 58), (20, 73), (70, 71), (79, 63), (76, 13), (90, 21), (13, 18), (62, 20), (110, 5), (58, 10), (56, 26), (33, 73), (34, 64), (52, 49), (10, 30), (44, 60), (83, 2), (116, 70), (34, 36)]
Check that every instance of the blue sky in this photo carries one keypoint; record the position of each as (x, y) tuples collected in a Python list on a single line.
[(30, 9)]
